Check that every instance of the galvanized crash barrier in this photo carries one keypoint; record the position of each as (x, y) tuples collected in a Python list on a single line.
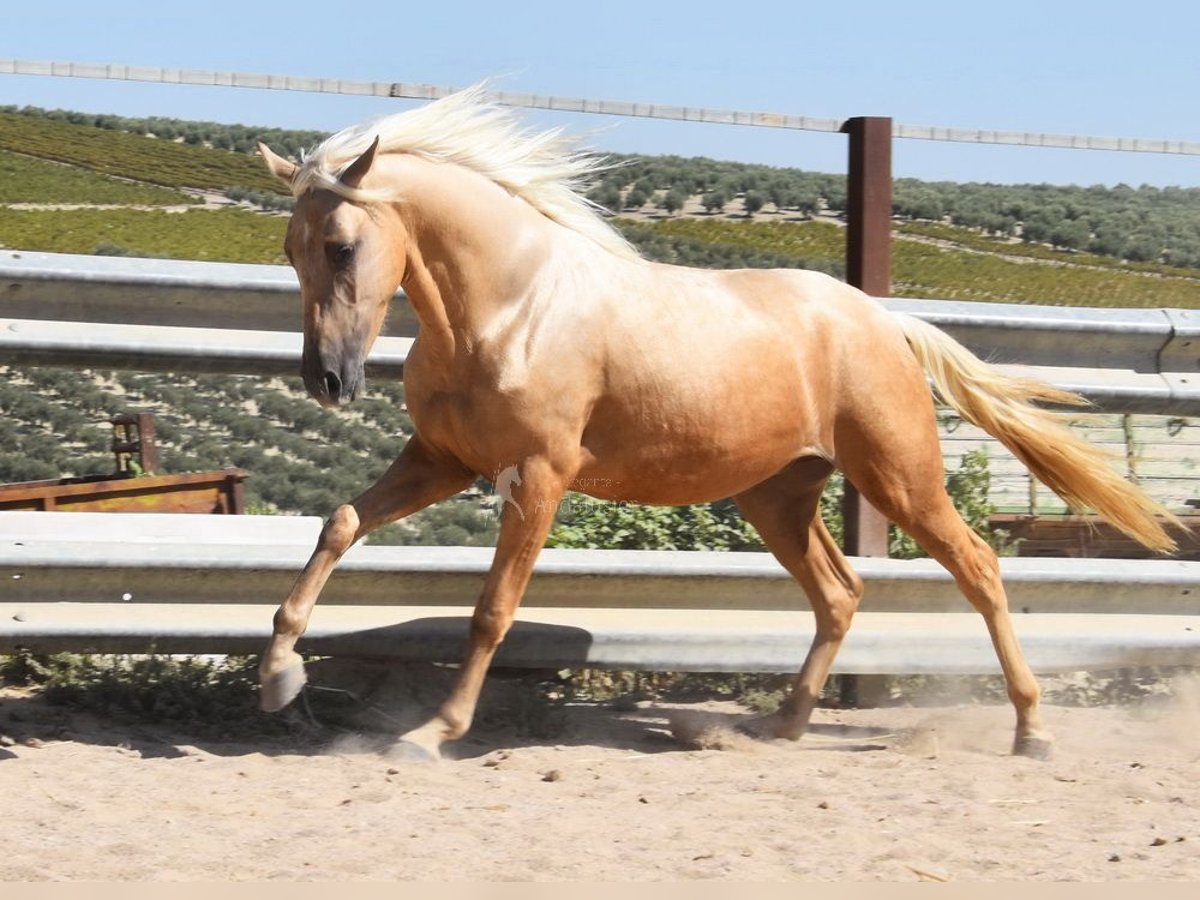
[(170, 315), (209, 584)]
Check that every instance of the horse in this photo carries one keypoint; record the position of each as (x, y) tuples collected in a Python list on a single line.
[(550, 349)]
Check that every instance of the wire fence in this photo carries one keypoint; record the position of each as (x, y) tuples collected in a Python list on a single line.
[(419, 91)]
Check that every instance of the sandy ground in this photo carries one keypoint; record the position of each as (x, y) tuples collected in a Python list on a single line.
[(892, 794)]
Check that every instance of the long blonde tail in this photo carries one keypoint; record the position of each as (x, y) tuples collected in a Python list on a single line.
[(1003, 406)]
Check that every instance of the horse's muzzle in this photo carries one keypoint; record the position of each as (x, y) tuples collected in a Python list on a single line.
[(332, 385)]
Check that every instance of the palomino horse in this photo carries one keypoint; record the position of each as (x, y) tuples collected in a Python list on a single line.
[(547, 344)]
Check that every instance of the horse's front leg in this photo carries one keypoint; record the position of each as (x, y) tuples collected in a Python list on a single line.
[(416, 479), (523, 531)]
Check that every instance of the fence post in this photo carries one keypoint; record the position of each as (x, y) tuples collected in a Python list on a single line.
[(869, 268)]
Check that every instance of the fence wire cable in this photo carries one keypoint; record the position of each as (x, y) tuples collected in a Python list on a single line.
[(420, 91)]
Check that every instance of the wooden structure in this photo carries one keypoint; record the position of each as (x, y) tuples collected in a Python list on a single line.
[(1086, 537), (195, 492), (132, 487)]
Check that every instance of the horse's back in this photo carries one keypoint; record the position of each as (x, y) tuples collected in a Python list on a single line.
[(804, 297), (857, 367), (726, 376)]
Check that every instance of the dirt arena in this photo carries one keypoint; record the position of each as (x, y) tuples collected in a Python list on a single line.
[(902, 793)]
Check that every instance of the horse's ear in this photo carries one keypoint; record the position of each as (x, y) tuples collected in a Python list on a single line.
[(283, 169), (358, 169)]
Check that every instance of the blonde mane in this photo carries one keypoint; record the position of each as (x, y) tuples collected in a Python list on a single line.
[(545, 169)]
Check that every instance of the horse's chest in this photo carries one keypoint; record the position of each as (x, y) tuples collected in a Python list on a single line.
[(459, 423), (438, 416)]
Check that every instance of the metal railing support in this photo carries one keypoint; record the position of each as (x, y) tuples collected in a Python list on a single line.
[(113, 582)]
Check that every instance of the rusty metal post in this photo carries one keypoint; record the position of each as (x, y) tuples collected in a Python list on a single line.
[(869, 268), (869, 205), (133, 436)]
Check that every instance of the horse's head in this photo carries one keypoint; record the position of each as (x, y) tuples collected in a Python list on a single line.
[(343, 250)]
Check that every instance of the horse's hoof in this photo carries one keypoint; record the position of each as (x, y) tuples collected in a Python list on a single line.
[(280, 688), (768, 727), (1033, 747), (408, 752), (757, 727)]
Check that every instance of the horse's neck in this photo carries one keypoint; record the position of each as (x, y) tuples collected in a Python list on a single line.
[(474, 252)]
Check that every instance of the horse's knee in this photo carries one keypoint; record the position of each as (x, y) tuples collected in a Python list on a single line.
[(340, 530)]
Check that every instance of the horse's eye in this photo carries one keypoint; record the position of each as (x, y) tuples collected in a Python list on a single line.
[(341, 255)]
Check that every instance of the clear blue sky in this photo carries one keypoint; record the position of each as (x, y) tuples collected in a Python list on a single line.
[(1127, 69)]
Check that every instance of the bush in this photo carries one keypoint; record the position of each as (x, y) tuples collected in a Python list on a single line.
[(600, 524), (714, 201)]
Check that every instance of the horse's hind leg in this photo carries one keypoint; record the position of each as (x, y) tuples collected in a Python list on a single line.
[(948, 539), (415, 480), (915, 498), (784, 510)]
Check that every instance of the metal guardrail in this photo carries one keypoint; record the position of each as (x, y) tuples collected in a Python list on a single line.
[(224, 317), (159, 292), (109, 589), (167, 348), (199, 584), (1123, 360)]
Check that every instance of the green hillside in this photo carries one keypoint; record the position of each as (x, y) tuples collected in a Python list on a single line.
[(930, 261), (219, 235), (25, 179), (104, 161), (135, 157)]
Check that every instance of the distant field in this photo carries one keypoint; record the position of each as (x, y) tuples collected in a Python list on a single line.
[(224, 235), (929, 259), (973, 268), (949, 273), (814, 239), (27, 180), (133, 156), (971, 239)]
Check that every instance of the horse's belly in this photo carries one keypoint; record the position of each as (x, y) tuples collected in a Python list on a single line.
[(685, 422), (635, 486), (675, 466)]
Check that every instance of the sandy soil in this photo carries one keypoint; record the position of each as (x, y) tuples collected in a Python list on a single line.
[(896, 794)]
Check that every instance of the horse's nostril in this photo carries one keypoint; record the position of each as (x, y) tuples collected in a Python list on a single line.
[(333, 385)]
